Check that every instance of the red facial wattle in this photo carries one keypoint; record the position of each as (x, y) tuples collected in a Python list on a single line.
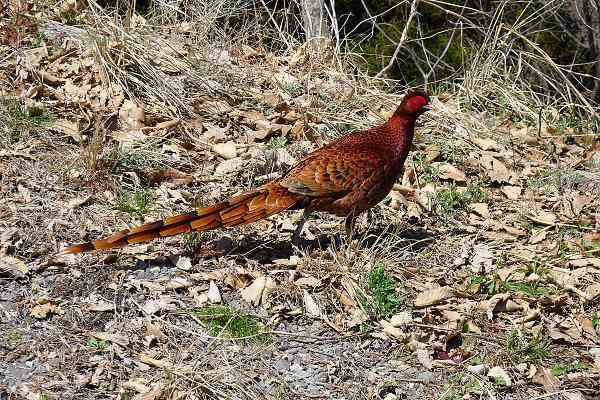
[(416, 103)]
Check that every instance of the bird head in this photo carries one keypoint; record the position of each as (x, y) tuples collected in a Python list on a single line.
[(414, 103)]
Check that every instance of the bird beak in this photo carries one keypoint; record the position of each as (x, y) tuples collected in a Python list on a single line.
[(426, 107)]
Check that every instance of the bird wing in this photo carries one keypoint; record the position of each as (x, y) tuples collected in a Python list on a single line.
[(333, 173)]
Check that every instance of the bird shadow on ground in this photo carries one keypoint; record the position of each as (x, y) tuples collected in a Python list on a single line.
[(404, 238), (390, 238)]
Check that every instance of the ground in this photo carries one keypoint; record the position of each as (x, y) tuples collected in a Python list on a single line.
[(478, 277)]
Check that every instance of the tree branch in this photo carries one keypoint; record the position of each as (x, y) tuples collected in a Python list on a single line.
[(413, 12)]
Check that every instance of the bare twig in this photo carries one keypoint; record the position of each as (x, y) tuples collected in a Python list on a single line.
[(413, 12)]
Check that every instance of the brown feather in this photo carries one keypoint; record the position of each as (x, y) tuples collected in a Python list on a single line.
[(175, 230), (243, 208)]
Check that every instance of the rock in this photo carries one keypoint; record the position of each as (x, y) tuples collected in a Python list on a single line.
[(226, 150), (481, 369), (281, 364), (181, 262), (425, 376)]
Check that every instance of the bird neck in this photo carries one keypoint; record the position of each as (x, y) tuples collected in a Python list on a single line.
[(402, 128)]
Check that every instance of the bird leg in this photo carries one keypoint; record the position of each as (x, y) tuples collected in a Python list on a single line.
[(296, 240), (349, 224)]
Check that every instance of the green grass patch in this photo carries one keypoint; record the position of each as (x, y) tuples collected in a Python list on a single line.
[(276, 142), (192, 240), (16, 121), (12, 340), (293, 89), (461, 386), (71, 17), (451, 200), (136, 204), (492, 284), (255, 105), (526, 347), (556, 179), (527, 288), (222, 320), (451, 151), (379, 297), (38, 40), (430, 173), (571, 119), (282, 391), (595, 321), (121, 159), (96, 345), (475, 360), (562, 369)]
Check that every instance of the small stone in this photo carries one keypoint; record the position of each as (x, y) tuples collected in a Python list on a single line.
[(425, 376), (480, 369), (154, 270), (281, 364), (296, 368)]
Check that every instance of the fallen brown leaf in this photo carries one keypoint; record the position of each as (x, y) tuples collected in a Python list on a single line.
[(433, 296)]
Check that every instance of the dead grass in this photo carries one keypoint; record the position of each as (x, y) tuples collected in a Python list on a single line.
[(514, 297)]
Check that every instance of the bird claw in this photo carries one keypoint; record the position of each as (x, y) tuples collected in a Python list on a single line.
[(296, 239)]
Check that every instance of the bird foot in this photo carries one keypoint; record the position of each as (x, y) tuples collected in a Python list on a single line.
[(298, 241)]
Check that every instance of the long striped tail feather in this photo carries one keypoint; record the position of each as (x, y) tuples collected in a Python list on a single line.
[(242, 209)]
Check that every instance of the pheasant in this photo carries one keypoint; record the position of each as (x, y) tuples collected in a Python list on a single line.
[(344, 178)]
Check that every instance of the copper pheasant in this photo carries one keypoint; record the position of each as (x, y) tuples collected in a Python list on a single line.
[(344, 178)]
